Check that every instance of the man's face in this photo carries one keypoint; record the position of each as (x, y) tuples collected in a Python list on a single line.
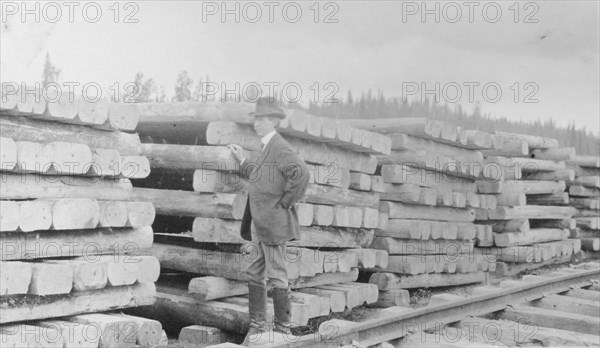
[(263, 125)]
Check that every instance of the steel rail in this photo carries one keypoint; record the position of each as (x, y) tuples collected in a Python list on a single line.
[(336, 333)]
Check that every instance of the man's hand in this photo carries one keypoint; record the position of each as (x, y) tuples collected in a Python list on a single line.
[(237, 152)]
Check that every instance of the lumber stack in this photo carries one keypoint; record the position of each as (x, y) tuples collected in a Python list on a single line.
[(427, 205), (584, 194), (200, 197), (70, 234), (533, 220)]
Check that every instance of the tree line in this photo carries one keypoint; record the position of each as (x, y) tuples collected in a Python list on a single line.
[(371, 106)]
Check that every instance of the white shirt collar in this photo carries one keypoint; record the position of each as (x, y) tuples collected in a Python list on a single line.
[(265, 140)]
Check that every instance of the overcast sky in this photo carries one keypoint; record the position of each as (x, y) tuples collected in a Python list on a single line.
[(382, 45)]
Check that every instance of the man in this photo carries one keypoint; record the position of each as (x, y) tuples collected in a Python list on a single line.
[(277, 180)]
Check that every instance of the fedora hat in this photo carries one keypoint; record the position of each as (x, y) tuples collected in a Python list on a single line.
[(267, 106)]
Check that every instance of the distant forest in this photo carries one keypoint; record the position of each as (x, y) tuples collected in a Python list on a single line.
[(369, 106)]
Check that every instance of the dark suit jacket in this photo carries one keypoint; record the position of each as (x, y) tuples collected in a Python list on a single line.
[(277, 180)]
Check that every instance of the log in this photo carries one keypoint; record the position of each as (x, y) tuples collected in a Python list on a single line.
[(105, 162), (407, 142), (332, 175), (534, 142), (531, 212), (25, 335), (28, 186), (586, 161), (110, 298), (197, 335), (50, 279), (585, 171), (191, 157), (320, 194), (377, 183), (529, 188), (419, 247), (216, 181), (45, 244), (509, 149), (416, 126), (392, 298), (8, 154), (433, 161), (10, 212), (198, 261), (24, 129), (114, 331), (181, 308), (561, 198), (15, 277), (511, 199), (140, 214), (562, 224), (360, 182), (73, 335), (407, 229), (93, 113), (135, 167), (478, 140), (147, 332), (323, 215), (389, 281), (589, 181), (35, 215), (404, 211), (87, 274), (567, 175), (112, 214), (193, 204), (227, 231), (581, 191), (402, 174), (370, 218), (556, 154), (517, 225), (536, 235), (75, 213)]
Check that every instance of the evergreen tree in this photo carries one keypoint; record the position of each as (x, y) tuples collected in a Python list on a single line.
[(183, 87), (50, 73)]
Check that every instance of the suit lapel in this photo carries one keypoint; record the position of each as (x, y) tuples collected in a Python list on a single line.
[(265, 152)]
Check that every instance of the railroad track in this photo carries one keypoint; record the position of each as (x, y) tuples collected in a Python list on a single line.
[(551, 309)]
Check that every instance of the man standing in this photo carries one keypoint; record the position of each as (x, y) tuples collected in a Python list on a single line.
[(277, 180)]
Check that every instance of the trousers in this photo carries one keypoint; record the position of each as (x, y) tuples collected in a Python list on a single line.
[(267, 263)]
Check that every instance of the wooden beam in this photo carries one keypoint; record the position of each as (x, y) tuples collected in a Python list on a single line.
[(29, 186), (420, 247), (110, 298), (531, 212), (193, 204), (535, 142), (25, 129), (46, 244), (405, 211), (191, 157), (389, 281)]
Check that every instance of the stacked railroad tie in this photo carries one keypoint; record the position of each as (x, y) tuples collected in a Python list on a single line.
[(200, 199), (533, 221), (427, 217), (584, 194), (70, 234)]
